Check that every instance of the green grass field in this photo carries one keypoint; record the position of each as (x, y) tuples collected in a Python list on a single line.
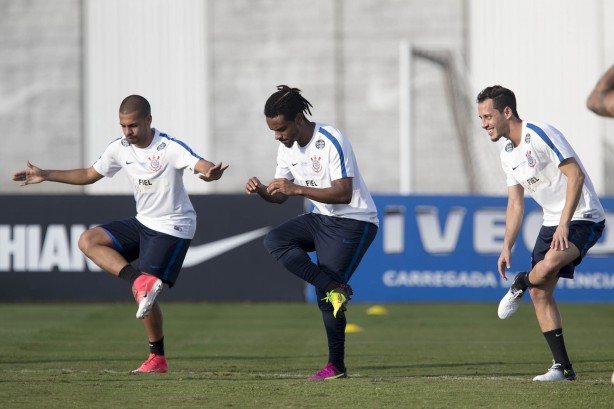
[(259, 356)]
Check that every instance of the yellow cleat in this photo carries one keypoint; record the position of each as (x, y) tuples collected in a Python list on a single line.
[(339, 298)]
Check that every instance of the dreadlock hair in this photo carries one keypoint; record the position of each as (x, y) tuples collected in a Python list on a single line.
[(501, 98), (135, 103), (287, 102)]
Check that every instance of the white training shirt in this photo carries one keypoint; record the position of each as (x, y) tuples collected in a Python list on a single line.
[(534, 164), (156, 173), (328, 156)]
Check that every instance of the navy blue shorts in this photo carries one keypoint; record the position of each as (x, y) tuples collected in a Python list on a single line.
[(339, 243), (159, 254), (583, 234)]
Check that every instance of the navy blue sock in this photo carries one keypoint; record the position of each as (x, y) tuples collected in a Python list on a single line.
[(129, 274), (157, 347), (557, 346), (521, 282), (335, 332)]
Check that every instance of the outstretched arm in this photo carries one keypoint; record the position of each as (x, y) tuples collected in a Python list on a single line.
[(209, 171), (601, 98), (33, 174)]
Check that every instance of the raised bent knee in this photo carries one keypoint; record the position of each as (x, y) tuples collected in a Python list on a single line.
[(93, 237), (548, 268), (273, 241)]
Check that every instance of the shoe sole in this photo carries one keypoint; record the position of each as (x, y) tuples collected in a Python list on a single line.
[(553, 380), (137, 372), (505, 313), (340, 313), (147, 302), (340, 376)]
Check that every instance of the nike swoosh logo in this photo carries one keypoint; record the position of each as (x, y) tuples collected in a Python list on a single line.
[(294, 164), (128, 163), (204, 252), (515, 167)]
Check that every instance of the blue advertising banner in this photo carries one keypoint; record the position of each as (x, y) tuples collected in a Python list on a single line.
[(445, 248)]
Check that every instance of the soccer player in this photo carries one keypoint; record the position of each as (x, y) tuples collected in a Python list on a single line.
[(601, 98), (316, 161), (160, 233), (538, 159)]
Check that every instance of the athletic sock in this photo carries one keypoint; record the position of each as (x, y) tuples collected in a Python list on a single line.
[(521, 282), (557, 346), (339, 365), (157, 347), (333, 285), (335, 333), (129, 274)]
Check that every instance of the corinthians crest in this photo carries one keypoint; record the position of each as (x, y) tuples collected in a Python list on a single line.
[(154, 162), (316, 166), (530, 159)]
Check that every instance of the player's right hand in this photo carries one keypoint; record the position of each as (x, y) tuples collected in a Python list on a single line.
[(30, 176), (504, 262)]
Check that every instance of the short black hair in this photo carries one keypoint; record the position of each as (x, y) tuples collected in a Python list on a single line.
[(287, 102), (135, 103), (501, 98)]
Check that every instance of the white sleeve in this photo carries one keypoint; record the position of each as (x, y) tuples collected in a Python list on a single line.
[(108, 164), (182, 156), (282, 171), (341, 160)]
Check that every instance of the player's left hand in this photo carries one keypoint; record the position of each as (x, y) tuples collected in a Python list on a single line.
[(281, 185), (213, 173)]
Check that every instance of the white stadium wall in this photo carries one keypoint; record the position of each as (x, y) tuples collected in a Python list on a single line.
[(550, 53), (154, 48), (208, 66)]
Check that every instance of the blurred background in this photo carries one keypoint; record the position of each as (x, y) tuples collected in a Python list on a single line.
[(398, 77)]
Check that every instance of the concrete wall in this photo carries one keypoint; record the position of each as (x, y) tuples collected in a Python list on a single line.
[(551, 53), (153, 48), (208, 66), (41, 114)]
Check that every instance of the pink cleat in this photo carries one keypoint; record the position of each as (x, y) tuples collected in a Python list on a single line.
[(145, 289), (154, 364), (329, 372)]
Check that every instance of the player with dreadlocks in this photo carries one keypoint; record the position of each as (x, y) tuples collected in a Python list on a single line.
[(317, 162)]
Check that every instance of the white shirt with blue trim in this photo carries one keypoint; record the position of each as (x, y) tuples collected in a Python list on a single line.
[(328, 156), (534, 164), (156, 173)]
